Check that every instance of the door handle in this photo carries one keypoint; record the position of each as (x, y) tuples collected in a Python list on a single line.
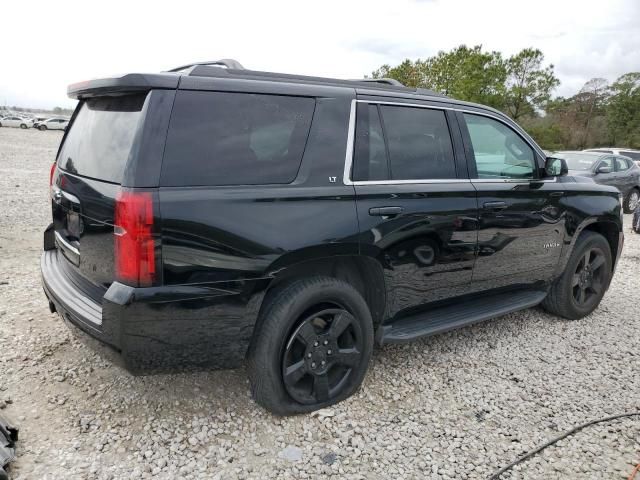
[(495, 205), (385, 211)]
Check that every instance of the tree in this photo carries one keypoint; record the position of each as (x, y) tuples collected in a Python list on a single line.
[(623, 111), (463, 73), (594, 95), (467, 74), (408, 73), (529, 84)]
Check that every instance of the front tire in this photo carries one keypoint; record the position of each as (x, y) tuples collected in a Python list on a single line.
[(42, 128), (312, 348), (585, 279), (23, 126), (632, 201)]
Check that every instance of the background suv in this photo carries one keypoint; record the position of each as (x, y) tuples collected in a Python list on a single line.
[(626, 152), (212, 215), (607, 169)]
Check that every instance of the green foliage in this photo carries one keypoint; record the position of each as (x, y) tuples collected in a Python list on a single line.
[(522, 86), (623, 112), (529, 84)]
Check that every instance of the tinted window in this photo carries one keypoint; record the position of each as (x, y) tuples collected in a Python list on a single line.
[(607, 162), (631, 155), (622, 164), (499, 151), (418, 142), (370, 157), (220, 138), (101, 137)]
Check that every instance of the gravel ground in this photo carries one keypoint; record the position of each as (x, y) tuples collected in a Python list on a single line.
[(458, 405)]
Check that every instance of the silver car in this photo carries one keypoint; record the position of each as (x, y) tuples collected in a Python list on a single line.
[(607, 169)]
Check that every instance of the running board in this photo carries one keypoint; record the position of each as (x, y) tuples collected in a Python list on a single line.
[(449, 317)]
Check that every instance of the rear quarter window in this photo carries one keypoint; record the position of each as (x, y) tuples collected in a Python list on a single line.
[(220, 138)]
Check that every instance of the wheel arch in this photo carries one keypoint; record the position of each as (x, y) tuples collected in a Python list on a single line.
[(365, 274), (606, 227)]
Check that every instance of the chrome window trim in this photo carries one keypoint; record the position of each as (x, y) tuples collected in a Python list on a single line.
[(348, 163)]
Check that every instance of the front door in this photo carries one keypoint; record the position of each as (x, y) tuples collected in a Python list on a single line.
[(521, 217), (416, 207)]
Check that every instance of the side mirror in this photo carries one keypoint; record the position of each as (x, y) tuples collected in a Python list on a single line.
[(555, 167), (604, 169)]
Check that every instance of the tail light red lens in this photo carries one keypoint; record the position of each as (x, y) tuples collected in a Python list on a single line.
[(51, 172), (134, 244)]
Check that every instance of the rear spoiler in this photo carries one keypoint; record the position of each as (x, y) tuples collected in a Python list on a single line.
[(132, 82)]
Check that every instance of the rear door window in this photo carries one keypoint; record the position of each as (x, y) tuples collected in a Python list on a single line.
[(101, 137), (370, 156), (402, 143), (622, 164), (219, 138), (418, 142)]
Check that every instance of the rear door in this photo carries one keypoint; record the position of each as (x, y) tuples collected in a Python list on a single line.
[(91, 166), (416, 207), (626, 178), (521, 216)]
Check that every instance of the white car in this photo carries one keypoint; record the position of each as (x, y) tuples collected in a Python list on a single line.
[(54, 124), (15, 122), (627, 152)]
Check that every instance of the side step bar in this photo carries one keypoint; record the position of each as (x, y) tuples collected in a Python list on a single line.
[(449, 317)]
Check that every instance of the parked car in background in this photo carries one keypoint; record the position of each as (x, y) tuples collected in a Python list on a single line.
[(607, 169), (38, 120), (54, 124), (17, 122), (627, 152)]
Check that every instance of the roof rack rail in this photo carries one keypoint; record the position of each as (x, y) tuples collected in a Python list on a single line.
[(225, 62), (386, 81)]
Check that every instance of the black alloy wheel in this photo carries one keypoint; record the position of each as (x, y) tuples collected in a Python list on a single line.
[(589, 278), (321, 354)]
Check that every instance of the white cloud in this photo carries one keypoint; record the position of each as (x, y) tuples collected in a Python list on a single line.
[(47, 45)]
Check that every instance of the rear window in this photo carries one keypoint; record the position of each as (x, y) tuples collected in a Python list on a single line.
[(218, 138), (101, 136)]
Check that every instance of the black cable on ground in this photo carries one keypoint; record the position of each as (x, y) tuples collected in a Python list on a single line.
[(533, 452)]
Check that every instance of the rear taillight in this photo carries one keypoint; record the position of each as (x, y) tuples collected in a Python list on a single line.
[(51, 172), (134, 243)]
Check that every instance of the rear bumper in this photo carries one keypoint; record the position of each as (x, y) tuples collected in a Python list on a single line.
[(157, 329)]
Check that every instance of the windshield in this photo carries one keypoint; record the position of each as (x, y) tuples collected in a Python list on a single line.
[(578, 161)]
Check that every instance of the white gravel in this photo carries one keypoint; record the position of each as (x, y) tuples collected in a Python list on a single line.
[(457, 405)]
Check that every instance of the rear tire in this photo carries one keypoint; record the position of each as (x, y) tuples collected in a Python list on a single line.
[(312, 348), (580, 288), (631, 201)]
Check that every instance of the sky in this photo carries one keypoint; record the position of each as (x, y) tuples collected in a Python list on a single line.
[(50, 44)]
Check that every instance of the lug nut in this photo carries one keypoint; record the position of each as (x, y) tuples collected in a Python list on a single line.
[(329, 352), (309, 355), (315, 344), (326, 342), (313, 364), (323, 363)]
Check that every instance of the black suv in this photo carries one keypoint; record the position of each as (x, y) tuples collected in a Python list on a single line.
[(212, 214)]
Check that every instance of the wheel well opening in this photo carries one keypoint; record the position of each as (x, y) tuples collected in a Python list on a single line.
[(363, 273), (609, 231)]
